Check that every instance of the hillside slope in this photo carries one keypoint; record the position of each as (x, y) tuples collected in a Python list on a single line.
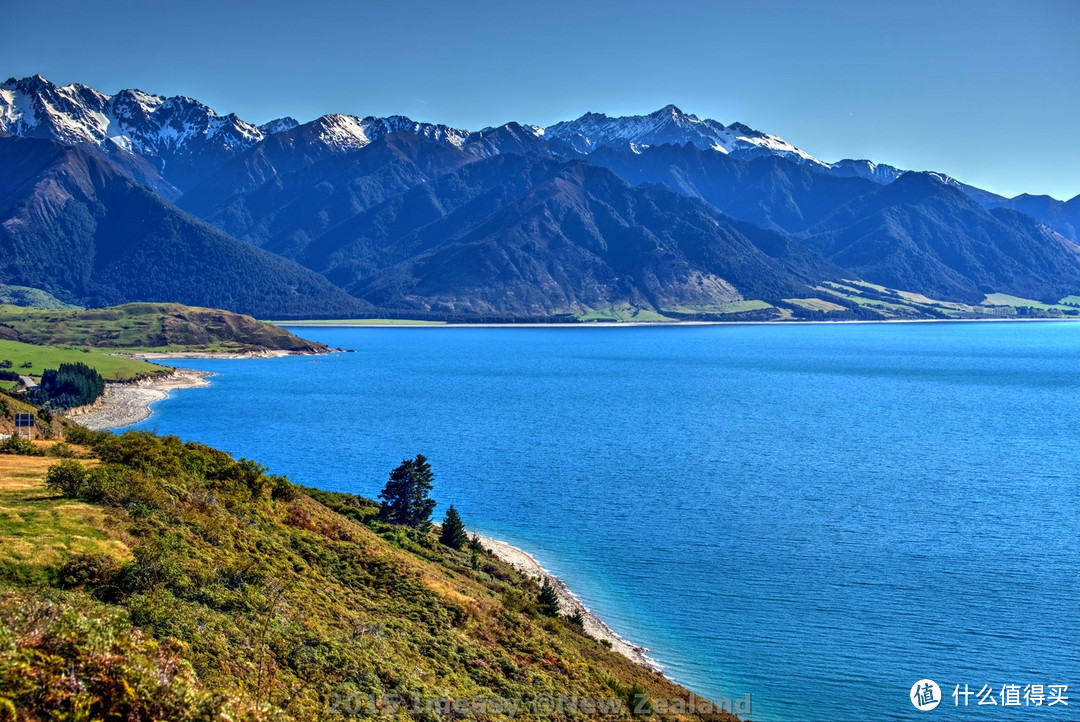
[(161, 326), (919, 234), (168, 581), (72, 225)]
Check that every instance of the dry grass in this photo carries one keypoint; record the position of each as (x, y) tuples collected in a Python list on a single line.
[(39, 528)]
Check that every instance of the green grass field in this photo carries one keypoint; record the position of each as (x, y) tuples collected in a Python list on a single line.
[(40, 358), (623, 314), (725, 308), (1004, 299), (815, 304)]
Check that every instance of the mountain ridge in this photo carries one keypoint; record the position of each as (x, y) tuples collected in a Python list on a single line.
[(664, 213)]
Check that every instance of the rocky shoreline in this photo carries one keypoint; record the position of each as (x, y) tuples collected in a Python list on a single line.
[(568, 601), (124, 404)]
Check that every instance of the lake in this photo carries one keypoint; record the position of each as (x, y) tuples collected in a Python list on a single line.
[(815, 515)]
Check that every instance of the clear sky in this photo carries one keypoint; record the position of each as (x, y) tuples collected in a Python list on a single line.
[(986, 91)]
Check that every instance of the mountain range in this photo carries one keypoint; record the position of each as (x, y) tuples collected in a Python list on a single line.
[(109, 199)]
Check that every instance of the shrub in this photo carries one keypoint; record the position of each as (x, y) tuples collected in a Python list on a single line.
[(282, 489), (16, 445), (67, 663), (116, 485), (66, 477), (85, 437), (96, 572), (60, 451)]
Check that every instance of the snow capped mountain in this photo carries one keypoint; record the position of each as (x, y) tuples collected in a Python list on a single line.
[(877, 172), (670, 126), (159, 129), (885, 174), (148, 125), (279, 125), (174, 144), (348, 132)]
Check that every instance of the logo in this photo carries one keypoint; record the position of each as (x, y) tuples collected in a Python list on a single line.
[(925, 695)]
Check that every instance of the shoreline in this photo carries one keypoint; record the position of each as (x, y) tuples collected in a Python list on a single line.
[(124, 404), (128, 402), (648, 324), (569, 602), (227, 355)]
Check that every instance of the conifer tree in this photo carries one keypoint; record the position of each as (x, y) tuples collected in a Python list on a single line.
[(453, 531), (548, 599), (405, 497)]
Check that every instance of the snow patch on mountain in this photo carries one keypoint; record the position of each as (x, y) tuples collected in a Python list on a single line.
[(867, 169), (349, 132), (149, 125), (279, 125), (671, 126)]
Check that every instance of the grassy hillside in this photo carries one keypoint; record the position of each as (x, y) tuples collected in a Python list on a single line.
[(26, 296), (46, 423), (148, 326), (158, 579)]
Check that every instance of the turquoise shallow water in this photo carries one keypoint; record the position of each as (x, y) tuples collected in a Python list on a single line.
[(817, 516)]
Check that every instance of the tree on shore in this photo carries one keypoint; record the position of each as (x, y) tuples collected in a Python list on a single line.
[(405, 497), (548, 599), (453, 531)]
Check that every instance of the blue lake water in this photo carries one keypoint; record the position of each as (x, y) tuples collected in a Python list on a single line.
[(817, 516)]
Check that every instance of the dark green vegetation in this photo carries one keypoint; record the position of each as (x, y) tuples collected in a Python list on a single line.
[(23, 296), (453, 532), (71, 385), (405, 497), (148, 326), (548, 599), (148, 578), (75, 226)]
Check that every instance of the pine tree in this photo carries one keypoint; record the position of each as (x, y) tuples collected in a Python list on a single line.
[(453, 531), (548, 599), (405, 497)]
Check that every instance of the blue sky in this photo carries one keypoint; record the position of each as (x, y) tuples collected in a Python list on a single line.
[(986, 91)]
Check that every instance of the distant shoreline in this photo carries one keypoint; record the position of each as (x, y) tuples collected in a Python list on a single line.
[(650, 324), (569, 603)]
